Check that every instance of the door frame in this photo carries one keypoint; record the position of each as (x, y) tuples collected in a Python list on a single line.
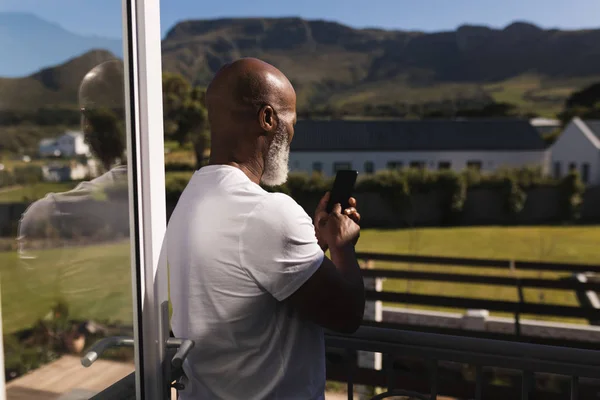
[(147, 203)]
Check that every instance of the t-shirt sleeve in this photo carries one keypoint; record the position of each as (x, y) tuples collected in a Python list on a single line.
[(35, 224), (278, 246)]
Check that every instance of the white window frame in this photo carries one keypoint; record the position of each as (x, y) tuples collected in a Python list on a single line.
[(147, 204)]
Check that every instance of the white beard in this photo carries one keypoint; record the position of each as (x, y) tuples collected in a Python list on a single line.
[(276, 164)]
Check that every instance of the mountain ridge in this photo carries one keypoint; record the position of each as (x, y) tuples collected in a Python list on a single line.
[(337, 66)]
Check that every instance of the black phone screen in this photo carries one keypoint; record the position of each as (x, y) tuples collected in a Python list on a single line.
[(343, 187)]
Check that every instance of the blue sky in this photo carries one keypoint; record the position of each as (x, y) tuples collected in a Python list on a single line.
[(103, 17)]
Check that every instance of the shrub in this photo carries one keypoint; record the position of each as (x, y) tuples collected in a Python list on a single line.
[(179, 166), (6, 178), (175, 183), (398, 187), (28, 174), (571, 190)]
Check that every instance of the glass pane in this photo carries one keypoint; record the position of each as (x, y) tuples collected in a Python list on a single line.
[(470, 187), (66, 274)]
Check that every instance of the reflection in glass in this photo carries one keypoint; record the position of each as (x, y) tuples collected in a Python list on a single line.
[(71, 281)]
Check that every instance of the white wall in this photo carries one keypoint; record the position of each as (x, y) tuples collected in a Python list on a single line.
[(81, 147), (66, 145), (47, 150), (491, 160), (577, 145), (71, 144)]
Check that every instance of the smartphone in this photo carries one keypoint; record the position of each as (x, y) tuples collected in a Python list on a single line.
[(343, 186)]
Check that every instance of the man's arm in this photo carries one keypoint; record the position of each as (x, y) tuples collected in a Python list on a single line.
[(334, 296), (279, 250)]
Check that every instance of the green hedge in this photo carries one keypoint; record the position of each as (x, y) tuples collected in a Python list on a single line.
[(21, 176), (179, 167), (397, 187)]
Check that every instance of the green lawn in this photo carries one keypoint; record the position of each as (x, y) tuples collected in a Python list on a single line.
[(96, 280), (532, 93), (566, 244), (15, 194)]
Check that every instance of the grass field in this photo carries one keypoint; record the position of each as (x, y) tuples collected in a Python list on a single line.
[(560, 244), (530, 93), (14, 194), (96, 280)]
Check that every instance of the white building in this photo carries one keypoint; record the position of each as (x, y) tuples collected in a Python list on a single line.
[(71, 144), (64, 173), (545, 126), (367, 146), (578, 147)]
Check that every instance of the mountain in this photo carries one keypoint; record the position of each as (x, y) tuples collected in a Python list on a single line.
[(358, 70), (333, 64), (51, 87), (29, 43)]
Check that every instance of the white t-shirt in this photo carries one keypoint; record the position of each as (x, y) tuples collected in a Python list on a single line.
[(235, 253)]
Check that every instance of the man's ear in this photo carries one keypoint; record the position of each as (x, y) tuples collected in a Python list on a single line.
[(267, 119)]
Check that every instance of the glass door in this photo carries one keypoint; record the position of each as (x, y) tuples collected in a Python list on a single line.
[(82, 200)]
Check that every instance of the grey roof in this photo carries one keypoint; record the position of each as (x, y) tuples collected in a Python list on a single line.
[(416, 135), (594, 125)]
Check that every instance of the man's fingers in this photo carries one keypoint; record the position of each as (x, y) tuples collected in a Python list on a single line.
[(353, 214), (323, 201), (349, 210), (352, 202), (321, 218), (337, 208)]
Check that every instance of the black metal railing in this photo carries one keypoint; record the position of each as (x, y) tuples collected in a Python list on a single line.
[(519, 283), (424, 377)]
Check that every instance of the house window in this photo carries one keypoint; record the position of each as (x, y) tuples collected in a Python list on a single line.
[(444, 165), (476, 165), (572, 167), (557, 170), (395, 165), (417, 164), (585, 172), (317, 167), (338, 166), (369, 167)]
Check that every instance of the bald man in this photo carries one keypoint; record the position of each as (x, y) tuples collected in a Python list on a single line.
[(249, 280)]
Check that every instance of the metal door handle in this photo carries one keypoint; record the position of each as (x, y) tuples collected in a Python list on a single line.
[(184, 346), (102, 345)]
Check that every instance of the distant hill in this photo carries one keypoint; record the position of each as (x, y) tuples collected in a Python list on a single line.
[(29, 43), (51, 87), (336, 66)]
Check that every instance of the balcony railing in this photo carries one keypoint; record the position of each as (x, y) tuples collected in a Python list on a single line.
[(425, 365), (574, 369), (574, 277)]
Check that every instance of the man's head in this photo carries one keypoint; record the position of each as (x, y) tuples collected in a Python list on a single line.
[(252, 111), (102, 104)]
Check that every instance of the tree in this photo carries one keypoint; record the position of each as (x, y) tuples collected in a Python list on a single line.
[(105, 133), (185, 116), (584, 103)]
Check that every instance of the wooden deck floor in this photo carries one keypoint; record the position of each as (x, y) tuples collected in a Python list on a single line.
[(67, 379)]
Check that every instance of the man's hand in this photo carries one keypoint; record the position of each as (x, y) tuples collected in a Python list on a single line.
[(321, 216), (338, 230)]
